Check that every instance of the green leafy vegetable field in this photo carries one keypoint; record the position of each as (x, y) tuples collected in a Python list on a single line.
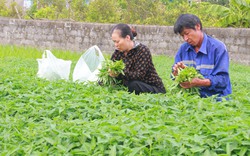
[(39, 117)]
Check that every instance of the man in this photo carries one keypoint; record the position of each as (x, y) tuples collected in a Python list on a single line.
[(208, 55)]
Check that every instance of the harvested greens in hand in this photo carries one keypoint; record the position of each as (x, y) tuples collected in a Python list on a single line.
[(186, 74), (109, 66)]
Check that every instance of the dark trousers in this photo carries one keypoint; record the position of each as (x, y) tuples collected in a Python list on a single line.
[(140, 87)]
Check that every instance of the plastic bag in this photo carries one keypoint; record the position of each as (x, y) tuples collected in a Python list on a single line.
[(87, 67), (52, 68)]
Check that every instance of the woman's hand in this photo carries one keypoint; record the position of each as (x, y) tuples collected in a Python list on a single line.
[(112, 74), (177, 66)]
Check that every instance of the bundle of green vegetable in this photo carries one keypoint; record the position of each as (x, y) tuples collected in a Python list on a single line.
[(186, 74), (109, 66)]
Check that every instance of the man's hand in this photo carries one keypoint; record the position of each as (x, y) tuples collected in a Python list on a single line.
[(196, 82), (176, 67)]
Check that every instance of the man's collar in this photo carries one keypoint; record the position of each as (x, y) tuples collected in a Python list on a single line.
[(203, 48)]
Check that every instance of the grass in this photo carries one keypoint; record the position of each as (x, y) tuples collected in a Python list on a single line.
[(38, 117)]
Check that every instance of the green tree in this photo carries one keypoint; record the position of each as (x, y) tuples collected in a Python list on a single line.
[(174, 9), (103, 11), (236, 15), (143, 12), (12, 11), (3, 9), (15, 10), (213, 13), (219, 2), (48, 9), (46, 13), (200, 9), (78, 10)]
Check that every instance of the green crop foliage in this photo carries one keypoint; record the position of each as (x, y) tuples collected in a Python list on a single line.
[(39, 117)]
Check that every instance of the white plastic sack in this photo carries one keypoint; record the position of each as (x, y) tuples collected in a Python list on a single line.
[(52, 68), (87, 67)]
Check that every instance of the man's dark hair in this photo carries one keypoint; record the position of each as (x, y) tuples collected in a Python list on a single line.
[(188, 21)]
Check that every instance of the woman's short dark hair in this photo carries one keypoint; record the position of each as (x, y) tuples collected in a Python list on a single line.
[(125, 30), (188, 21)]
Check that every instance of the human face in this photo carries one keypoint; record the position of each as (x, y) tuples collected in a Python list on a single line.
[(121, 43), (191, 36)]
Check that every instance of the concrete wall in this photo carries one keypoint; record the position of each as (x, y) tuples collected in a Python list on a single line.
[(78, 37)]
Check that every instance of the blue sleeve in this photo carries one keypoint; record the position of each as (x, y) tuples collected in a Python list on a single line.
[(220, 76)]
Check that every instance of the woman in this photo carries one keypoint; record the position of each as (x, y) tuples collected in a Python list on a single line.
[(140, 75)]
